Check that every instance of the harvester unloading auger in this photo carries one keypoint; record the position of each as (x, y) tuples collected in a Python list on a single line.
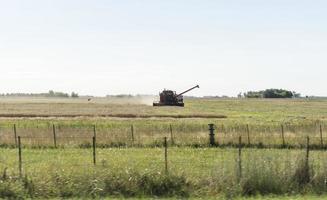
[(170, 98)]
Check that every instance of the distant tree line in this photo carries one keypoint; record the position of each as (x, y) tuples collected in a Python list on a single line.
[(51, 93), (120, 96), (128, 95), (271, 93)]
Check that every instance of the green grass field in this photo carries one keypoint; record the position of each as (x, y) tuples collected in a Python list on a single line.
[(140, 172), (133, 165)]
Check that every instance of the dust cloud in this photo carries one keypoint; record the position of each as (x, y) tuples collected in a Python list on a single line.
[(146, 100)]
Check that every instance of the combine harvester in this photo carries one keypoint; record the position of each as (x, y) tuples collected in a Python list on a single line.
[(170, 98)]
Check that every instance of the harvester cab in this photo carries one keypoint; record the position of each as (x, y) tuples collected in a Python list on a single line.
[(170, 98)]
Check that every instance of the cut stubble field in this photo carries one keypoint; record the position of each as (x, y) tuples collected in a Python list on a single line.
[(245, 110)]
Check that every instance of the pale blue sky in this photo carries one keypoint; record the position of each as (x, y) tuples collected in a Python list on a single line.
[(104, 47)]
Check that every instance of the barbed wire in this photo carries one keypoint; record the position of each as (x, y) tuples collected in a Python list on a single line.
[(152, 160)]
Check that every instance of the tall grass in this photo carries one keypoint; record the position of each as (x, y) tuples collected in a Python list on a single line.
[(150, 133), (133, 172)]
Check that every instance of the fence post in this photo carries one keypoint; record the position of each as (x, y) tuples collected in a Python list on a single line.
[(211, 135), (132, 131), (54, 135), (94, 150), (19, 157), (248, 133), (308, 149), (307, 159), (283, 138), (239, 158), (171, 134), (94, 131), (321, 139), (166, 154), (15, 135)]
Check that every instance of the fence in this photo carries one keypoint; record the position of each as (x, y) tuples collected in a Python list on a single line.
[(147, 136), (165, 158)]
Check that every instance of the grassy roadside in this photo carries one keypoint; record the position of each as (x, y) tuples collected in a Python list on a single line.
[(133, 172), (305, 197)]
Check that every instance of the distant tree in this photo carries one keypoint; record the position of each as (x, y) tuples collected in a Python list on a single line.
[(296, 95), (124, 95), (61, 94), (277, 93), (271, 93), (253, 94), (51, 93), (74, 95)]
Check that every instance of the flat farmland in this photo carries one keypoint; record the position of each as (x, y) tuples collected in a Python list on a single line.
[(115, 148), (126, 121), (245, 110)]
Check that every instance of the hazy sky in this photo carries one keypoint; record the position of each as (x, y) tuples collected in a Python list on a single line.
[(104, 47)]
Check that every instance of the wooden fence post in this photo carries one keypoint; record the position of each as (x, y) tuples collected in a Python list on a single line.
[(239, 158), (248, 133), (211, 135), (20, 157), (15, 135), (94, 150), (308, 149), (166, 154), (94, 131), (132, 132), (283, 138), (171, 134), (54, 135), (307, 160), (321, 138)]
